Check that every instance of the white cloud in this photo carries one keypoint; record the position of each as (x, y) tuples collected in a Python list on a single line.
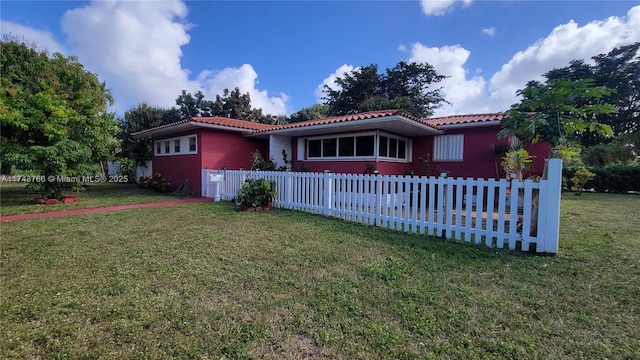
[(43, 39), (490, 31), (330, 80), (136, 47), (466, 94), (566, 42), (245, 78), (440, 7)]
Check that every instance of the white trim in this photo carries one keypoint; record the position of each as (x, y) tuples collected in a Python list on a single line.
[(184, 146)]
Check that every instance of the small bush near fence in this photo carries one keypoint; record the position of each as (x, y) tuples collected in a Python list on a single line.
[(614, 178), (256, 192)]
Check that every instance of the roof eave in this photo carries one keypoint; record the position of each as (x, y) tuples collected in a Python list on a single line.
[(469, 125), (416, 128), (161, 131)]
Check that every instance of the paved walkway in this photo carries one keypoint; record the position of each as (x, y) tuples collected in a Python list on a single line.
[(101, 209)]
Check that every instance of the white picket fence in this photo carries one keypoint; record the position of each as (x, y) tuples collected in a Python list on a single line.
[(478, 211)]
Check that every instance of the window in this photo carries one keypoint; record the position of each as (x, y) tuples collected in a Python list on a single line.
[(365, 145), (315, 148), (448, 147), (392, 147), (346, 146), (176, 146), (329, 147), (357, 147), (383, 146)]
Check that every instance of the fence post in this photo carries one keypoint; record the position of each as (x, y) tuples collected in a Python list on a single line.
[(551, 234), (328, 192), (203, 183)]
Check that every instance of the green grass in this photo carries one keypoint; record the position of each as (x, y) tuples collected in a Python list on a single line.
[(15, 199), (205, 281)]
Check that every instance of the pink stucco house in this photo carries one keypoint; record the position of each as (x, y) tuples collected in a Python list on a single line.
[(388, 140)]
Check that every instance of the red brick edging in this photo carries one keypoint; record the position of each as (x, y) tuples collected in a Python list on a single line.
[(101, 209)]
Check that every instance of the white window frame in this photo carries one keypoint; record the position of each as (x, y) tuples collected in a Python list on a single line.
[(448, 148), (184, 146), (376, 144), (408, 148)]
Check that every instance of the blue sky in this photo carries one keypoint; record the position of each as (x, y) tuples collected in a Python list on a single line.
[(283, 52)]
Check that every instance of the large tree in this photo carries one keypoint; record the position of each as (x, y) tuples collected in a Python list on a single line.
[(53, 116), (407, 86), (620, 70)]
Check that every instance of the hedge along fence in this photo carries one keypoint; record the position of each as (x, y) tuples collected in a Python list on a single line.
[(613, 178)]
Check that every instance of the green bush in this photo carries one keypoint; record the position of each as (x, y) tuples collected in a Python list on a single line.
[(613, 178), (256, 192), (157, 182)]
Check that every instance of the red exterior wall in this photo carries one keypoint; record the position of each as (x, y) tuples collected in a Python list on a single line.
[(479, 159), (176, 168), (229, 149), (216, 149), (354, 167)]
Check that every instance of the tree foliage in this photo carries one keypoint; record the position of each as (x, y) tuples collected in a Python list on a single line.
[(232, 104), (557, 111), (407, 86), (317, 111), (140, 118), (619, 70), (53, 116)]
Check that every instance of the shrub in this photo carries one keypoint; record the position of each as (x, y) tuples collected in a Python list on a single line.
[(127, 168), (580, 178), (256, 192), (157, 182), (259, 163), (516, 161)]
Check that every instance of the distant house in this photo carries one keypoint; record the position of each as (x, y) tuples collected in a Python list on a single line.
[(389, 141)]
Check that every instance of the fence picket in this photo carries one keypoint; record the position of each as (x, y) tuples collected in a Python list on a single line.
[(490, 233), (423, 205), (469, 210), (526, 215), (479, 211)]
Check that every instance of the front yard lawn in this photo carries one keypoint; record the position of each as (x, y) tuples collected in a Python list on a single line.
[(205, 281)]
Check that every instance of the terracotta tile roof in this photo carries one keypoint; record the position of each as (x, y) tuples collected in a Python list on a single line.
[(342, 118), (220, 121), (228, 122), (463, 119), (257, 127)]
